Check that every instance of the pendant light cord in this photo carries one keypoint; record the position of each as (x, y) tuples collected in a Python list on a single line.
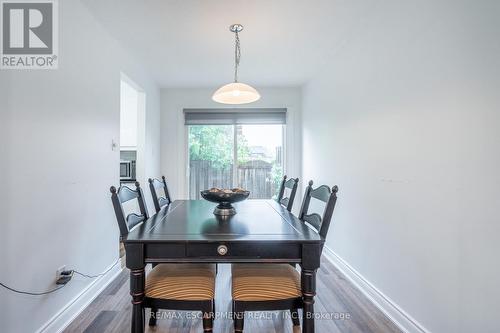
[(237, 55)]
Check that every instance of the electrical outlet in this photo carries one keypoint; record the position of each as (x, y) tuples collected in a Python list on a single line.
[(59, 271), (65, 277)]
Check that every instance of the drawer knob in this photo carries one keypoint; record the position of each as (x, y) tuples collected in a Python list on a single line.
[(222, 250)]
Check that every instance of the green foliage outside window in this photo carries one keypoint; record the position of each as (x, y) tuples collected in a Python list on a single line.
[(277, 177), (215, 144)]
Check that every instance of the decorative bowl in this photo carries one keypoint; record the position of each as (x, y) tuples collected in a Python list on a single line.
[(224, 198)]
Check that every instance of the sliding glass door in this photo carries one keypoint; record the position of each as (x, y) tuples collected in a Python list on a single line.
[(249, 156), (260, 159)]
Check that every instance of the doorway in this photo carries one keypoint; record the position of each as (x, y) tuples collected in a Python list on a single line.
[(132, 131), (132, 139)]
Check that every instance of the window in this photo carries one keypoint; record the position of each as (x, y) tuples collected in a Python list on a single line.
[(229, 149)]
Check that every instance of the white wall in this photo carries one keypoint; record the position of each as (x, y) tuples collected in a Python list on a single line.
[(57, 166), (405, 119), (173, 131), (129, 104)]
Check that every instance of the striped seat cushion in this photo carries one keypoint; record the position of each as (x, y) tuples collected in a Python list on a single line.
[(265, 282), (187, 282)]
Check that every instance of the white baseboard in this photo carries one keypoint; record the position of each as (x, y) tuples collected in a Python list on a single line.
[(397, 315), (66, 315)]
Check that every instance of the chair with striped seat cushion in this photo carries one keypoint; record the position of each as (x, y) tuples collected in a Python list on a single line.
[(187, 282), (269, 287), (257, 282), (168, 286)]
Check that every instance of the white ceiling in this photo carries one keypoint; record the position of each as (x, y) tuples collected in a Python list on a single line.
[(188, 44)]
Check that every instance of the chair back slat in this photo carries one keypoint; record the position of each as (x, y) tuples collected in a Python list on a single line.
[(285, 202), (126, 194), (313, 219), (163, 201), (291, 184), (159, 201), (134, 219), (157, 183), (321, 223), (321, 193)]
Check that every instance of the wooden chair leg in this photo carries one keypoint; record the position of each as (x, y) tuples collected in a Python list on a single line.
[(295, 317), (239, 321), (208, 321), (152, 317)]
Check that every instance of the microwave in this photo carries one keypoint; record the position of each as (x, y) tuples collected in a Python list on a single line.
[(127, 170)]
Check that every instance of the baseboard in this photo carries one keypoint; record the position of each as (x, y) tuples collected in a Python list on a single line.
[(66, 315), (397, 315)]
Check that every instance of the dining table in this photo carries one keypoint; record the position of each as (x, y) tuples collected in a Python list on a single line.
[(187, 231)]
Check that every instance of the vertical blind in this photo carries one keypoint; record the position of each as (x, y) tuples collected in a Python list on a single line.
[(235, 116)]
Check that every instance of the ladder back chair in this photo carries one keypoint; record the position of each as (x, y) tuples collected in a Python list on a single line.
[(125, 194), (324, 194), (159, 201), (168, 286), (271, 287), (290, 184)]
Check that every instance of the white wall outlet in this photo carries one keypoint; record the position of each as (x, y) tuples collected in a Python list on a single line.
[(59, 271)]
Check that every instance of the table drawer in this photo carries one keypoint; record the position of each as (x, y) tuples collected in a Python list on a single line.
[(243, 250), (165, 251)]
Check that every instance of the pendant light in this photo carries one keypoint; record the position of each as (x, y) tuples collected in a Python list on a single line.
[(236, 92)]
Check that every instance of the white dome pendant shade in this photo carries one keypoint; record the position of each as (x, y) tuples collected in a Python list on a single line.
[(236, 92)]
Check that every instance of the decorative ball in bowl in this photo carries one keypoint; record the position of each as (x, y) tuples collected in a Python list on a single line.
[(224, 198)]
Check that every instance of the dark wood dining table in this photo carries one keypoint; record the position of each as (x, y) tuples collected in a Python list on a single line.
[(187, 231)]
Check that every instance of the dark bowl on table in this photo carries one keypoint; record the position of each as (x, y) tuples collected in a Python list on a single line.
[(219, 197), (224, 200)]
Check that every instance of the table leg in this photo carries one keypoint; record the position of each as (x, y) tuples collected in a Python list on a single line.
[(137, 277), (308, 279)]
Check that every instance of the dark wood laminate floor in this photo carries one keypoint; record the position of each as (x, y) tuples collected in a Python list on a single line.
[(111, 310)]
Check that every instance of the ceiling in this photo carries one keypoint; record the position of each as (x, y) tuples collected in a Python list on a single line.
[(187, 43)]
